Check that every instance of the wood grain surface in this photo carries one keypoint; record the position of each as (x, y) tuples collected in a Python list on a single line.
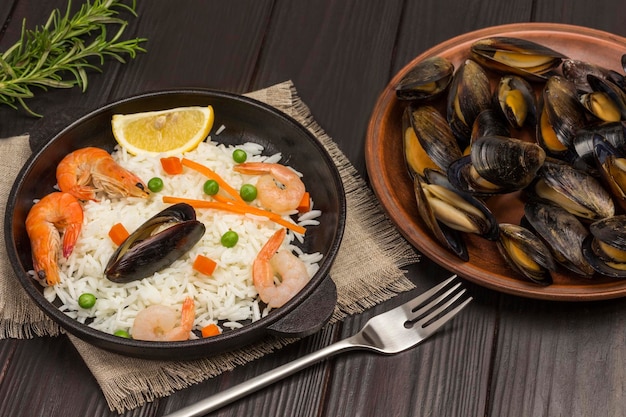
[(506, 356)]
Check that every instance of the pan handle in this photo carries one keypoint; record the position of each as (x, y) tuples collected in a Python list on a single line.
[(310, 316)]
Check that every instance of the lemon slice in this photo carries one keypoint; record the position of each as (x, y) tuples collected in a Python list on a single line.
[(172, 131)]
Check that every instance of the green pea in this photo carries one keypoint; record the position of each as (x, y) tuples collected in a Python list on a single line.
[(229, 239), (86, 300), (239, 156), (122, 333), (211, 187), (247, 192), (155, 184)]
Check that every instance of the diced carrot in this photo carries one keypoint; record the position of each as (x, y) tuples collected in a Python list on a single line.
[(204, 265), (305, 203), (210, 330), (118, 233), (236, 208), (172, 165)]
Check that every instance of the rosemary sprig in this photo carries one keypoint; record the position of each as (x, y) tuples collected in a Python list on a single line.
[(59, 54)]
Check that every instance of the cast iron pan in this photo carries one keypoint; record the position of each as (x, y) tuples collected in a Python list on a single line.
[(245, 120)]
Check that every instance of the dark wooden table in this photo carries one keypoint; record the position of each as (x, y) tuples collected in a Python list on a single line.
[(505, 356)]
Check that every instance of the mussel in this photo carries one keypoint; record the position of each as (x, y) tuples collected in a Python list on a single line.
[(469, 94), (562, 232), (507, 162), (605, 247), (144, 253), (434, 135), (426, 80), (515, 98), (611, 162), (585, 139), (516, 56), (448, 211), (575, 190), (526, 253), (561, 115), (577, 71), (496, 165), (451, 239), (610, 99)]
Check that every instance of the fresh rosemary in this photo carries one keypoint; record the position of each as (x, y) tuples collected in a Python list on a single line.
[(59, 54)]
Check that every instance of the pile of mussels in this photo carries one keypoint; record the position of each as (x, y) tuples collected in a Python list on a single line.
[(569, 166)]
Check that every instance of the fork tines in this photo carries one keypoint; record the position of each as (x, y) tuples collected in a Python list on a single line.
[(438, 305)]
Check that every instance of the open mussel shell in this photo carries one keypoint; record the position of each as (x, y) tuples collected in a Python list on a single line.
[(507, 162), (449, 238), (611, 162), (426, 80), (144, 253), (464, 177), (586, 138), (434, 135), (607, 101), (516, 56), (561, 115), (577, 71), (562, 232), (605, 247), (469, 94), (515, 98), (575, 190), (415, 156), (526, 253), (460, 211)]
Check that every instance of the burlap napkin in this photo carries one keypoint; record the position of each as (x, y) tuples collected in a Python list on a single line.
[(366, 271)]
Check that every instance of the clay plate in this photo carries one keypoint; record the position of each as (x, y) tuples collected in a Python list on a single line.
[(387, 172)]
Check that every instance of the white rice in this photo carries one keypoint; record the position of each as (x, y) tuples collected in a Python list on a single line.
[(227, 297)]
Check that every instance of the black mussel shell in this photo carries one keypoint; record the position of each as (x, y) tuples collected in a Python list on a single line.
[(472, 209), (515, 98), (489, 122), (516, 56), (611, 164), (434, 135), (562, 232), (614, 94), (426, 81), (507, 162), (575, 190), (142, 253), (468, 95), (563, 110), (605, 247), (526, 253), (577, 71), (451, 239), (585, 139)]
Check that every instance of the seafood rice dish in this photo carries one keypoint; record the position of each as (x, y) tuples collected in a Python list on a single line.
[(243, 287)]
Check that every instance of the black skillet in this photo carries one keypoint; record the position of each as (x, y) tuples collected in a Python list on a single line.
[(245, 120)]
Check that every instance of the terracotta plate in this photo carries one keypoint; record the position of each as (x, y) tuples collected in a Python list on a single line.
[(387, 172)]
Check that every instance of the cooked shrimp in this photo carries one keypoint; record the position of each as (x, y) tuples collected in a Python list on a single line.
[(279, 188), (158, 323), (55, 213), (85, 171), (290, 269)]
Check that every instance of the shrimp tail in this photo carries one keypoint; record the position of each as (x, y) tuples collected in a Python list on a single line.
[(45, 254), (188, 314)]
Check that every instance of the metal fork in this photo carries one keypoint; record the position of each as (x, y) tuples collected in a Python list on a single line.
[(391, 332)]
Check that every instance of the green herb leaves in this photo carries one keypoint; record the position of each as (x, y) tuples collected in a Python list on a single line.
[(59, 54)]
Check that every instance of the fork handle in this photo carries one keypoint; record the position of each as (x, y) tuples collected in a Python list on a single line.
[(236, 392)]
